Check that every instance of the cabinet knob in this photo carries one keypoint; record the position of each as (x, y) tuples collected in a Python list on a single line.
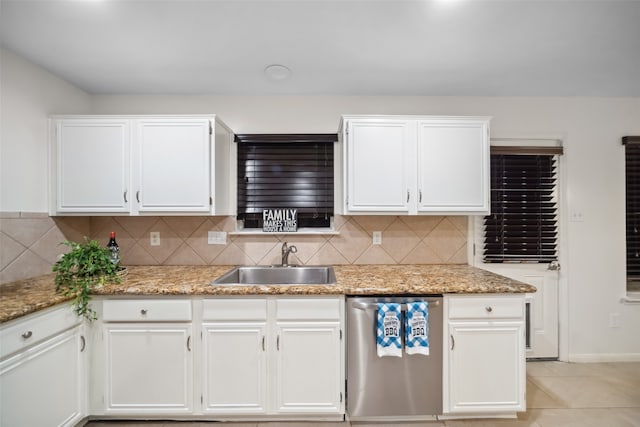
[(489, 309), (27, 335), (143, 311)]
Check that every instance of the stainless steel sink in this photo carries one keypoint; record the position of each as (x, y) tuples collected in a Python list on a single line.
[(292, 275)]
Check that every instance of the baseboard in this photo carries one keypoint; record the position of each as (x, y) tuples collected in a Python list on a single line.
[(604, 357)]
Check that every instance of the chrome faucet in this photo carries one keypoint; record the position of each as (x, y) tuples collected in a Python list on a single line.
[(286, 250)]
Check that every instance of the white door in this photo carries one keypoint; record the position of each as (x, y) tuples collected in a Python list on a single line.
[(234, 368), (91, 164), (453, 166), (542, 306), (173, 161), (380, 166), (149, 368), (308, 368)]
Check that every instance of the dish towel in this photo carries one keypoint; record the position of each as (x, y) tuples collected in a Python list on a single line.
[(388, 330), (417, 328)]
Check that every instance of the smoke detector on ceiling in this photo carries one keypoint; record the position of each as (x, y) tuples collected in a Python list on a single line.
[(277, 72)]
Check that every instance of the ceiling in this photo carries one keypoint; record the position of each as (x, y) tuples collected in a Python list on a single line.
[(346, 47)]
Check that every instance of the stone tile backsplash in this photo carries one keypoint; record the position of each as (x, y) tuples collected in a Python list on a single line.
[(30, 243)]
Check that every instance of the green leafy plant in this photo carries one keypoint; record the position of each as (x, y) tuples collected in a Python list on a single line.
[(85, 266)]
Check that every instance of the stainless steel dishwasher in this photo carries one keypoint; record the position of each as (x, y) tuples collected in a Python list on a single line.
[(391, 388)]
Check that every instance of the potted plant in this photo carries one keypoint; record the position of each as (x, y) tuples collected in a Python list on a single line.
[(84, 267)]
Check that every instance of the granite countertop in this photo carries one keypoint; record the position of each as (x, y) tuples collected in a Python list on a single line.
[(30, 295)]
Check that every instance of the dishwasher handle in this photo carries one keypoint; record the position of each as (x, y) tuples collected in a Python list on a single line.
[(364, 306)]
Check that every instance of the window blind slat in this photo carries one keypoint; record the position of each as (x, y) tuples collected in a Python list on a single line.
[(523, 224)]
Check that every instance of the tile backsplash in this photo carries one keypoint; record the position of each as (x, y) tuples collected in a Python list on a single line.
[(30, 243)]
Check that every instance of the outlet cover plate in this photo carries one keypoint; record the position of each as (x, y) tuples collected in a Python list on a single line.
[(377, 237), (217, 238), (154, 238)]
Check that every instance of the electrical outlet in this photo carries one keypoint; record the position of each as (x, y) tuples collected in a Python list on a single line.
[(614, 320), (217, 238), (154, 238), (377, 237), (576, 216)]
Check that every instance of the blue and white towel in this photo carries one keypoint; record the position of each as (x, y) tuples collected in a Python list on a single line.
[(417, 328), (388, 326)]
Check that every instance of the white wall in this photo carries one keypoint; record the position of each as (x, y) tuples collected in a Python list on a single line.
[(28, 95), (593, 261)]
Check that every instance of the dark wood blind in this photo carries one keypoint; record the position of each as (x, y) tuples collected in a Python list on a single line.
[(286, 171), (632, 192), (522, 226)]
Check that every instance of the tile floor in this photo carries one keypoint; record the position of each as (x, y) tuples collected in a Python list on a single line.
[(558, 395)]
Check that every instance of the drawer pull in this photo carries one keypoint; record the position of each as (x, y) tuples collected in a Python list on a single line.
[(143, 311), (263, 344), (27, 335), (453, 342), (189, 343), (489, 309)]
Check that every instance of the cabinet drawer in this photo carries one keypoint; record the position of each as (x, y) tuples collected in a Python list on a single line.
[(235, 309), (486, 307), (311, 308), (35, 328), (146, 310)]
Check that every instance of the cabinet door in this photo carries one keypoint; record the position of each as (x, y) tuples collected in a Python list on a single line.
[(308, 368), (90, 166), (486, 367), (380, 166), (234, 368), (453, 166), (173, 162), (44, 385), (149, 368)]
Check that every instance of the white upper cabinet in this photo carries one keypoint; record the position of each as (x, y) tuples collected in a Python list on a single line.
[(453, 165), (135, 165), (414, 165), (90, 166), (379, 157), (172, 162)]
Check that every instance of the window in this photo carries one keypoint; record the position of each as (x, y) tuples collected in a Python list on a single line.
[(632, 196), (286, 171), (522, 226)]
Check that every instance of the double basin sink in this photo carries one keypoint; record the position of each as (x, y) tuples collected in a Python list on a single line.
[(277, 275)]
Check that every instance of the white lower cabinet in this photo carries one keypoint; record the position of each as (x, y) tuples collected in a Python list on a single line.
[(273, 356), (48, 371), (234, 357), (148, 361), (308, 376), (485, 360)]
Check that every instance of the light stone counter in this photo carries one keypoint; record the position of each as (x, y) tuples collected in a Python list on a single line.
[(27, 296)]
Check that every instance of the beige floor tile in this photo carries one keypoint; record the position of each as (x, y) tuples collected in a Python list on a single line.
[(538, 398), (586, 417), (589, 392), (563, 369)]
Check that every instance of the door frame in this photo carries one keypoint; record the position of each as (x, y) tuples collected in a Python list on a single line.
[(474, 257)]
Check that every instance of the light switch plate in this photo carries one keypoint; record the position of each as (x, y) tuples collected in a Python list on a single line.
[(154, 238), (377, 237), (217, 238)]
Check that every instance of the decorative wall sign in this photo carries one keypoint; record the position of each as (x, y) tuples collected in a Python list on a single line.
[(279, 220)]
